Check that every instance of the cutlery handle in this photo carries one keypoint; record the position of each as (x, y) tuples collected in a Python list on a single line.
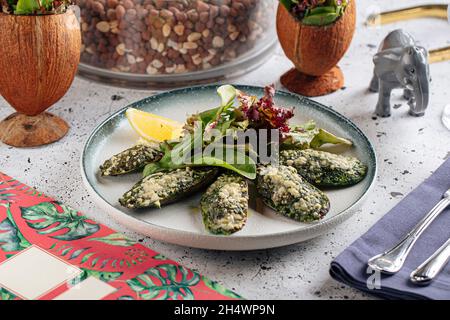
[(429, 269), (392, 260), (440, 11), (439, 55)]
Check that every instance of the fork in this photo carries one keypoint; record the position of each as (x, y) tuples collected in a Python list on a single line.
[(392, 261)]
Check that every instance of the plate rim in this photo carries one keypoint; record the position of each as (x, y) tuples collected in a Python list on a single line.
[(336, 219)]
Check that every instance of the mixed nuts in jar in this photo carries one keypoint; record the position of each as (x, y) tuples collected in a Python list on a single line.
[(170, 36)]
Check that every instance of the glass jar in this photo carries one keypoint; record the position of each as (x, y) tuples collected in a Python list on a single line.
[(167, 43)]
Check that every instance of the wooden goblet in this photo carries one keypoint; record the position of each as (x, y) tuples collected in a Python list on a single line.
[(39, 59), (315, 51)]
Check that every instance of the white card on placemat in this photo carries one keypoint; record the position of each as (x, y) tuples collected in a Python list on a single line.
[(89, 289), (34, 272)]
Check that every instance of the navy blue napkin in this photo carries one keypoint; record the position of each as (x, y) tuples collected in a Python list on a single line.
[(350, 267)]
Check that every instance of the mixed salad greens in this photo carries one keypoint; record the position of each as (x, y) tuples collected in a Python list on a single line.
[(174, 169), (34, 7), (316, 12), (237, 113)]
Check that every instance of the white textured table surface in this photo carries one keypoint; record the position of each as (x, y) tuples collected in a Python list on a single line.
[(408, 149)]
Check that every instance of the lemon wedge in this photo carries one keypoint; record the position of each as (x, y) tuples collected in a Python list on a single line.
[(153, 127)]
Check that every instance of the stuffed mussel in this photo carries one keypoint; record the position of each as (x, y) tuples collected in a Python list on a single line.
[(285, 191), (163, 188), (224, 205), (325, 169), (132, 159)]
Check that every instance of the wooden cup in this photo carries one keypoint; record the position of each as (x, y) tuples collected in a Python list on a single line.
[(39, 60), (315, 51)]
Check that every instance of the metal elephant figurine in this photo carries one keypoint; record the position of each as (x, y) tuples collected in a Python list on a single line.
[(400, 63)]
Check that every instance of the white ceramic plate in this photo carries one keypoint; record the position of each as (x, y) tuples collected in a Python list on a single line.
[(181, 223)]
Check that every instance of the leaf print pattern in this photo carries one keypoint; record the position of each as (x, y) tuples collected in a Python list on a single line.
[(116, 239), (9, 188), (28, 217), (136, 256), (214, 285), (6, 194), (6, 295), (96, 259), (11, 239), (46, 218), (159, 256), (165, 282), (105, 276)]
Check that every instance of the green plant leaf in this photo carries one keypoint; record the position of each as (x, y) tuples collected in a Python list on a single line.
[(217, 287), (32, 7), (318, 15), (47, 4), (309, 136), (164, 282), (227, 94), (323, 15), (320, 19), (26, 7), (287, 4), (46, 218), (152, 168), (221, 119), (208, 115), (300, 136), (115, 239), (324, 137), (248, 169)]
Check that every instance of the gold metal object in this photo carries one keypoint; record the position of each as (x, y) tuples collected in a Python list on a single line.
[(439, 11), (425, 11), (439, 55)]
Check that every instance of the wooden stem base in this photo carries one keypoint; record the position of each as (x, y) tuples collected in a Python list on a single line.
[(20, 130), (311, 86)]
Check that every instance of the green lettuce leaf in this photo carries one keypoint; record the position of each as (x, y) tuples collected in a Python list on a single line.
[(309, 136), (215, 121), (324, 137), (26, 7)]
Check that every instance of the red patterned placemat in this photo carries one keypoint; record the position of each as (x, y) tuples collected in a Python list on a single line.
[(30, 219)]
